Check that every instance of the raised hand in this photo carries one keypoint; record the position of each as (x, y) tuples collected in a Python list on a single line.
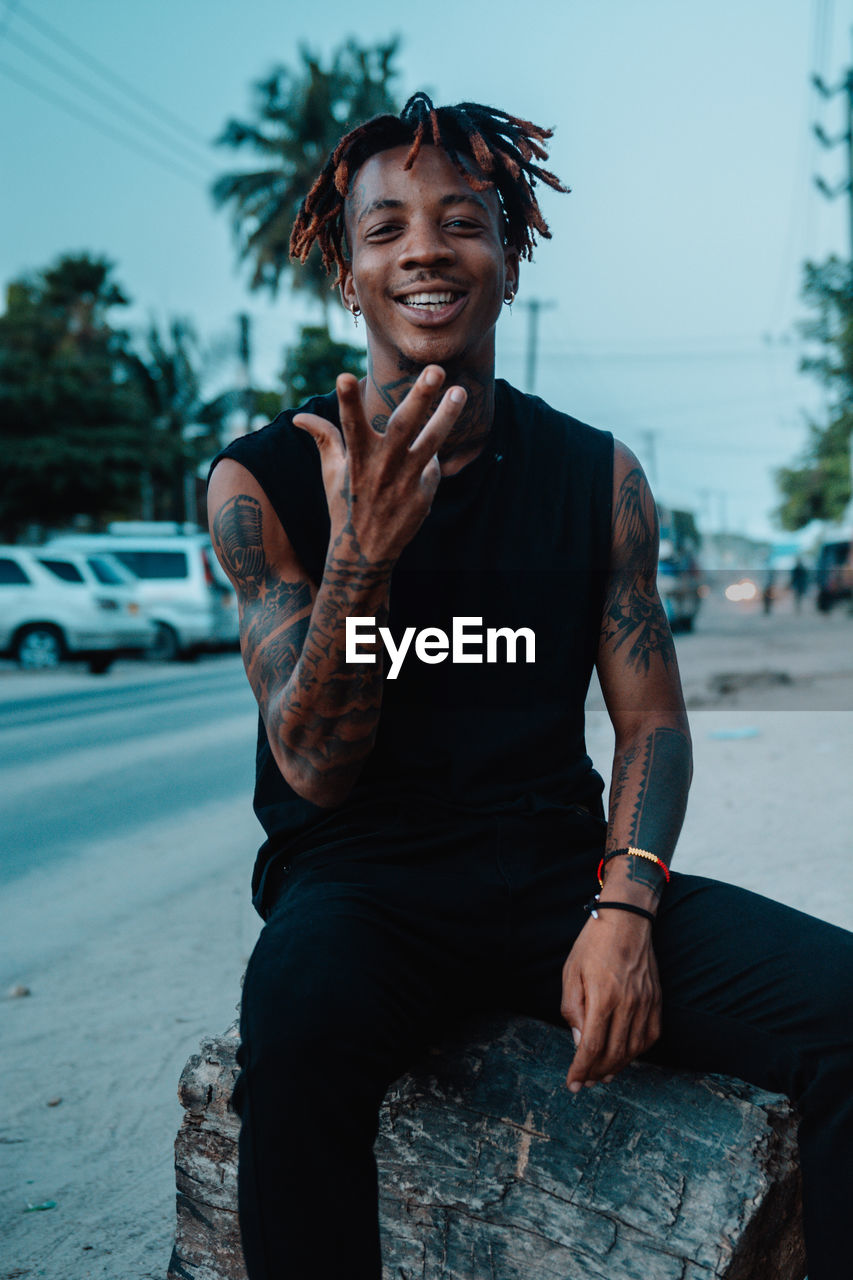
[(380, 485)]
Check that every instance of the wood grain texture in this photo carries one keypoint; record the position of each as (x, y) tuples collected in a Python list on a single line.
[(490, 1170)]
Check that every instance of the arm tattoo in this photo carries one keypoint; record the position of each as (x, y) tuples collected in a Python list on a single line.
[(273, 612), (323, 713), (660, 783), (238, 536), (633, 615)]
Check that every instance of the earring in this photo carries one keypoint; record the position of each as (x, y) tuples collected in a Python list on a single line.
[(356, 312), (509, 299)]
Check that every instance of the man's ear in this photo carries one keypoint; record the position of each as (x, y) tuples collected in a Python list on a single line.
[(348, 294), (511, 267)]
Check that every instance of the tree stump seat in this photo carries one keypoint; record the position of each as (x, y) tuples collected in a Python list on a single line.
[(491, 1170)]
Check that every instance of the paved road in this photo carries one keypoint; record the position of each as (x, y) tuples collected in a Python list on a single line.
[(119, 794), (98, 760)]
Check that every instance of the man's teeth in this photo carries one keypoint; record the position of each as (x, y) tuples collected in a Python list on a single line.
[(429, 299)]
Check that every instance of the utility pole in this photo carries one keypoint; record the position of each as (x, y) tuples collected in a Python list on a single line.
[(244, 353), (846, 87), (534, 306)]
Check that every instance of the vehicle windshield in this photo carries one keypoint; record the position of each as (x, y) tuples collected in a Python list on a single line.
[(155, 564), (108, 574), (63, 569)]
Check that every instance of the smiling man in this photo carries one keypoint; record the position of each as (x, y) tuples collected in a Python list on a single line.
[(436, 841)]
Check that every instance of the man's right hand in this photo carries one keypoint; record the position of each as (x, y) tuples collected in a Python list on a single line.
[(380, 485)]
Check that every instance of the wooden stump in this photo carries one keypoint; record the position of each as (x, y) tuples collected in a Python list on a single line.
[(489, 1168)]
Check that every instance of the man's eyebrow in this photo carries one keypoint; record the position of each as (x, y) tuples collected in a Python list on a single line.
[(453, 197), (378, 204), (465, 197)]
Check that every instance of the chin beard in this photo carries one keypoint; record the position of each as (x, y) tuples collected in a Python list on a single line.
[(455, 367)]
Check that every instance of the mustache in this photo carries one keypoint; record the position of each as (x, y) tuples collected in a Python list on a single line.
[(430, 278)]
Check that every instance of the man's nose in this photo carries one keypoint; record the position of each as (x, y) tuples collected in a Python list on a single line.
[(424, 246)]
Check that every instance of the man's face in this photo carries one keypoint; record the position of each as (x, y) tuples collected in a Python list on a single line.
[(429, 269)]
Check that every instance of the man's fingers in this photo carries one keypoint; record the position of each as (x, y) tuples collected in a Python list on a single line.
[(326, 436), (417, 405), (417, 424), (354, 426), (440, 425), (592, 1044)]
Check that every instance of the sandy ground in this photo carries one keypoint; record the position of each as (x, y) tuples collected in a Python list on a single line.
[(116, 1008)]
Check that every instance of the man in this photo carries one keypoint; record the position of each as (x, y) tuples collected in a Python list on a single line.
[(434, 822)]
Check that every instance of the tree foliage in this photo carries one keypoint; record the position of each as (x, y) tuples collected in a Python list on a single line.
[(313, 364), (71, 424), (818, 486), (90, 426), (183, 428), (298, 117)]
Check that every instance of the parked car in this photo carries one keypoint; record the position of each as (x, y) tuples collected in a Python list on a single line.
[(57, 606), (834, 572), (182, 587)]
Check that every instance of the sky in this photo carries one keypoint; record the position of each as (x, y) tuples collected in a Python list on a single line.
[(684, 128)]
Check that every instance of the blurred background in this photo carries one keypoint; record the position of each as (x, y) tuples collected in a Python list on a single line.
[(153, 155)]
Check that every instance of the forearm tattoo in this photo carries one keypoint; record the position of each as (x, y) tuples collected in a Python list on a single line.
[(323, 713), (658, 776), (633, 615)]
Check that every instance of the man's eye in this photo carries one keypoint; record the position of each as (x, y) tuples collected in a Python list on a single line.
[(384, 229)]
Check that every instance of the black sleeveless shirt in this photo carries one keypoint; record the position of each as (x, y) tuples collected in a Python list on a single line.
[(519, 538)]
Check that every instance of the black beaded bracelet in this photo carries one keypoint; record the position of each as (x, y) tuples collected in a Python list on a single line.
[(593, 907)]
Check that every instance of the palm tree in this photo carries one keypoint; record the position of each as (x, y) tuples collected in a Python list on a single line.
[(184, 427), (299, 118)]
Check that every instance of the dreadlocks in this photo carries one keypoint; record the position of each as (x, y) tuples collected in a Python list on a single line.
[(501, 151)]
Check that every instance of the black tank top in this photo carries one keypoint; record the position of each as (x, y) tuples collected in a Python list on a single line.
[(519, 538)]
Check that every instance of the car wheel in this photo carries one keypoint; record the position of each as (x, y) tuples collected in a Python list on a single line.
[(39, 648), (166, 647)]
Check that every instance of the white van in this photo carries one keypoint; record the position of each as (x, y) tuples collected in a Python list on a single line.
[(59, 606), (182, 587)]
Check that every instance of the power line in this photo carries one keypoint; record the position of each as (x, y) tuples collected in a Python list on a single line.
[(56, 99), (100, 68), (114, 104)]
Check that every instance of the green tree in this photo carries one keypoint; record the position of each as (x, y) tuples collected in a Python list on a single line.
[(313, 364), (298, 118), (72, 426), (818, 485), (184, 427)]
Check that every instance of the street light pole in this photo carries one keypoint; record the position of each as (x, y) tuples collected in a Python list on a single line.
[(534, 306)]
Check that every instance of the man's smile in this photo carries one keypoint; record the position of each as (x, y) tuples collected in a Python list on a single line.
[(434, 306)]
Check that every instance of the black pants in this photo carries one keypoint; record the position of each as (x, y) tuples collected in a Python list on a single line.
[(377, 942)]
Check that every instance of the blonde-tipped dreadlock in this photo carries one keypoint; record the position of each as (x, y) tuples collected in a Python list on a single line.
[(500, 150)]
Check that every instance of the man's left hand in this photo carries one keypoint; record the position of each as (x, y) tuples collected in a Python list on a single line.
[(611, 996)]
